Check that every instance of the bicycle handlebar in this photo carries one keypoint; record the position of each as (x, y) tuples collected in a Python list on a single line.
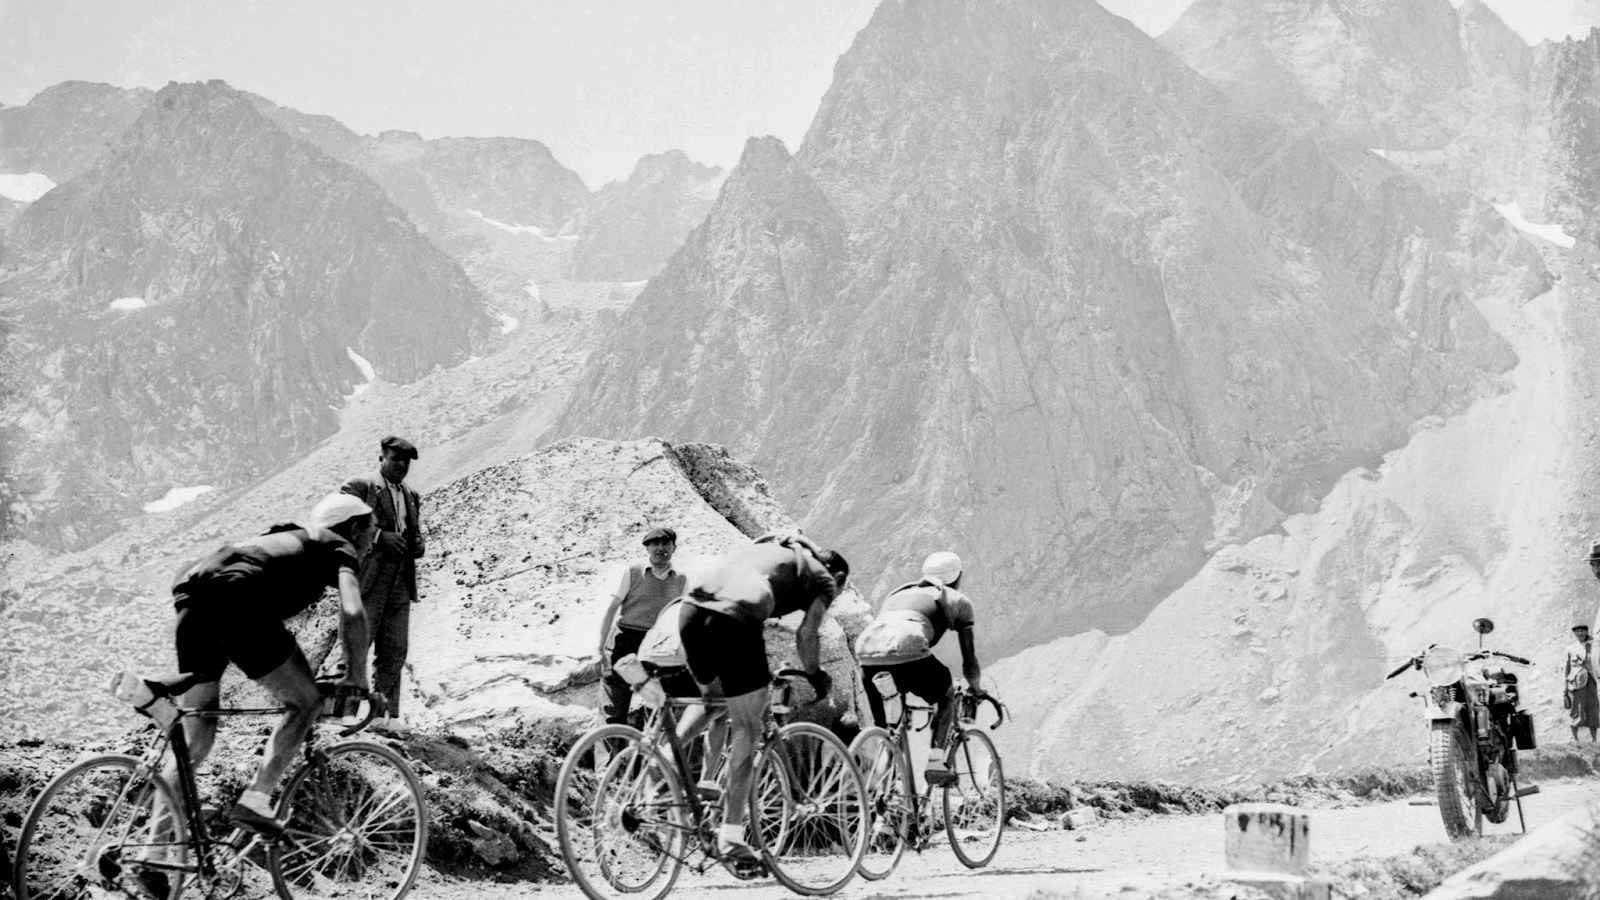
[(376, 705), (998, 707)]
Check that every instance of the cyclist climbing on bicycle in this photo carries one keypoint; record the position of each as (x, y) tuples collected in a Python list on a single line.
[(231, 606), (900, 642), (722, 628)]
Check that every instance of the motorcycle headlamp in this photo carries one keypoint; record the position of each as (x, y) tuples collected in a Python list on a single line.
[(1443, 666)]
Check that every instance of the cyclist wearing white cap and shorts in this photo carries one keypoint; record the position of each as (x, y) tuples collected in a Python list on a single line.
[(231, 607), (900, 642)]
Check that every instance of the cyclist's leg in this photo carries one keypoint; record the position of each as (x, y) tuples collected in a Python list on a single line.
[(295, 687), (744, 729), (874, 700), (270, 657), (929, 679)]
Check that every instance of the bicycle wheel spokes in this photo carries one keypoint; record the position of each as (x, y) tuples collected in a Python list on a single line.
[(772, 801), (828, 816), (886, 775), (621, 816), (357, 827), (975, 805), (93, 829)]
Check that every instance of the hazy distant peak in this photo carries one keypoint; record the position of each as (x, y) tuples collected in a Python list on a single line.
[(670, 164), (75, 91)]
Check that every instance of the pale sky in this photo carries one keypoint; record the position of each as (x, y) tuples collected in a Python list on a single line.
[(601, 82)]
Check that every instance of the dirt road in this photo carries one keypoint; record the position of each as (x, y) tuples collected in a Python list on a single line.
[(1139, 853)]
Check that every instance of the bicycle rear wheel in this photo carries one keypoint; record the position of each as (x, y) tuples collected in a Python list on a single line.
[(891, 797), (91, 831), (827, 832), (357, 827), (621, 816), (975, 803)]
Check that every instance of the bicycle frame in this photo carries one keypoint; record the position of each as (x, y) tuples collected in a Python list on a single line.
[(900, 733), (200, 839), (663, 722)]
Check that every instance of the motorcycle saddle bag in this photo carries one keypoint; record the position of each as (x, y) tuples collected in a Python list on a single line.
[(1522, 731)]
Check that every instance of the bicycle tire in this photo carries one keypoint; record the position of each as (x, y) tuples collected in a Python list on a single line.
[(891, 795), (95, 805), (976, 797), (357, 826), (828, 824), (621, 822)]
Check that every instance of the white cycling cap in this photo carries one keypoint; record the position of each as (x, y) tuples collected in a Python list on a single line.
[(336, 508), (944, 565)]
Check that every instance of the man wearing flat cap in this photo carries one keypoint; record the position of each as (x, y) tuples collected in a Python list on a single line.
[(389, 572), (1583, 696), (646, 589)]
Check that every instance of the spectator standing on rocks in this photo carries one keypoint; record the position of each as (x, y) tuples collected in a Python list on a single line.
[(1583, 696), (389, 572), (647, 588)]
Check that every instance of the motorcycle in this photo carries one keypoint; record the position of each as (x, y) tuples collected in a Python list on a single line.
[(1476, 726)]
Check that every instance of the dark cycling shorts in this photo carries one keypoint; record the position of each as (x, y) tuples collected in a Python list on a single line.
[(211, 633), (927, 678), (720, 646)]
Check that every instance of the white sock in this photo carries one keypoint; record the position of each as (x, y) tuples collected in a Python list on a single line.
[(257, 802), (730, 834)]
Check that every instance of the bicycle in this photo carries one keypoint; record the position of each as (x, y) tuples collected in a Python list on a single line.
[(356, 822), (627, 824), (974, 803)]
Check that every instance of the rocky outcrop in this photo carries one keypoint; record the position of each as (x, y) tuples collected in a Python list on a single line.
[(194, 308), (524, 557), (1035, 291), (1560, 861), (1566, 82), (632, 227)]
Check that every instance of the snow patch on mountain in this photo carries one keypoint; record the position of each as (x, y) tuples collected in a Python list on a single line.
[(129, 303), (25, 188), (1555, 234), (508, 228), (176, 497), (367, 372), (532, 288), (508, 324)]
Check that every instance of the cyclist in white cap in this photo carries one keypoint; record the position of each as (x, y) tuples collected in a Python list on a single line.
[(900, 642), (231, 606)]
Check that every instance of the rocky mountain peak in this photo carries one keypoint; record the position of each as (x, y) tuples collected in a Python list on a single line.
[(1387, 71), (633, 226), (206, 294), (65, 128), (1026, 292)]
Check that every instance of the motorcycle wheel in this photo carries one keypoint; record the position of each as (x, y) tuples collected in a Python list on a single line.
[(1451, 780)]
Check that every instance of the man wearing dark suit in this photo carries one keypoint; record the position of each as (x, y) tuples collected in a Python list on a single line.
[(389, 572)]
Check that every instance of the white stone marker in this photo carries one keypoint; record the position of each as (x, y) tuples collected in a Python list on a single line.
[(1267, 837)]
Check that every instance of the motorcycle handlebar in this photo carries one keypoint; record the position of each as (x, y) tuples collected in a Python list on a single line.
[(1406, 665)]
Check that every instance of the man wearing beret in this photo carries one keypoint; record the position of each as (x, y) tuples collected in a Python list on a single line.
[(646, 589), (389, 572)]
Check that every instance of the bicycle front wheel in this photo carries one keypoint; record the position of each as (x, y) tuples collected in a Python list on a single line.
[(621, 816), (96, 828), (827, 832), (891, 799), (357, 827), (975, 803)]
